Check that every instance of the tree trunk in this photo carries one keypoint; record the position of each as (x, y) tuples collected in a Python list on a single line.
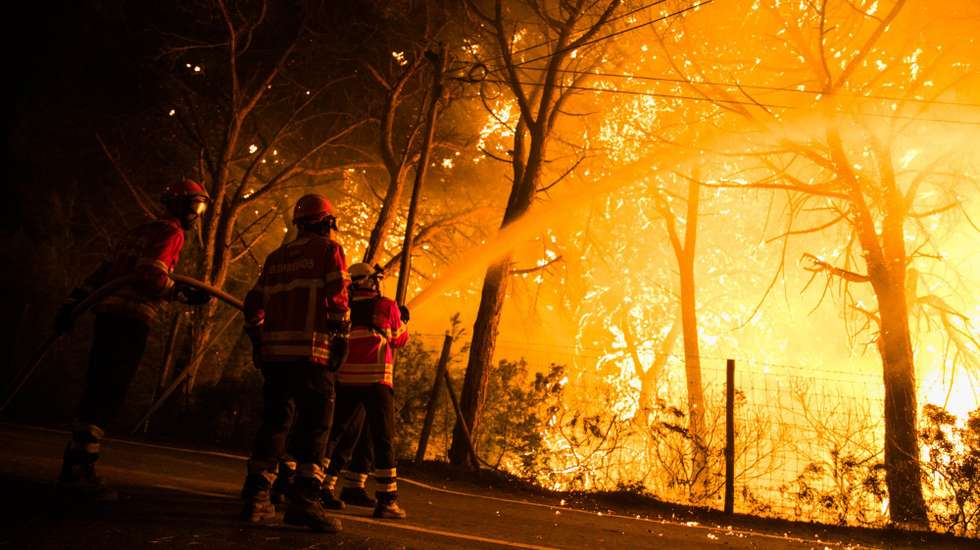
[(685, 252), (220, 255), (903, 475), (481, 355), (396, 183), (650, 376), (692, 371), (491, 303)]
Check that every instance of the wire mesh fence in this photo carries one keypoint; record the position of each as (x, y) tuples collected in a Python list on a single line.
[(808, 441)]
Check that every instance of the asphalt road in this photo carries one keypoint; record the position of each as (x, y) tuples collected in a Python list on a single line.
[(179, 498)]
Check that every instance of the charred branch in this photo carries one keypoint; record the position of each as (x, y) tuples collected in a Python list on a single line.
[(816, 265)]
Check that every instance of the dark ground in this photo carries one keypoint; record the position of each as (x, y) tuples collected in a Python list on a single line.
[(184, 498)]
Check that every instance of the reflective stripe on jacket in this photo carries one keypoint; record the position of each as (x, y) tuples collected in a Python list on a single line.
[(369, 354), (150, 252), (303, 286)]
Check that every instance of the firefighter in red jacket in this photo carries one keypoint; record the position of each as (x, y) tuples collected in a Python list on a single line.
[(297, 318), (148, 254), (365, 380)]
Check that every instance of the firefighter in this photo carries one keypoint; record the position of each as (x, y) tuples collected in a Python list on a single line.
[(365, 380), (147, 254), (297, 319)]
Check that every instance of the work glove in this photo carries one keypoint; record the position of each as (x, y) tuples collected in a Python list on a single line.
[(404, 311), (338, 327), (64, 320), (338, 352), (191, 295)]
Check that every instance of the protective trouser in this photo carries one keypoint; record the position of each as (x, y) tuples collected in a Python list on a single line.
[(298, 402), (118, 343), (378, 403), (353, 451)]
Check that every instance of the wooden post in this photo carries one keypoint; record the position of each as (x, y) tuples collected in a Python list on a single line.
[(730, 436), (474, 460), (404, 270), (430, 411)]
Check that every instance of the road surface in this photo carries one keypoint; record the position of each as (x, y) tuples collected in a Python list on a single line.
[(181, 498)]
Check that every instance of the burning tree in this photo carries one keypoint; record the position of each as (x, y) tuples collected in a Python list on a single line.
[(851, 164), (540, 95)]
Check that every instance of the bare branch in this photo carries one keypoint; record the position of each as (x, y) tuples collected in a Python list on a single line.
[(817, 265), (934, 211), (565, 174), (149, 211), (536, 268)]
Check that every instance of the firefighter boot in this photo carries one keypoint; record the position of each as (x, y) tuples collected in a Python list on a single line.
[(357, 496), (327, 497), (78, 480), (304, 508), (257, 506), (281, 487), (388, 507)]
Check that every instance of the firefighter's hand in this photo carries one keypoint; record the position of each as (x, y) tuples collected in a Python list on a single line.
[(190, 295), (338, 352), (405, 313), (338, 327)]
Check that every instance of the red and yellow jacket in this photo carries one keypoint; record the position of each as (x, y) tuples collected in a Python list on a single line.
[(376, 330), (149, 252), (302, 288)]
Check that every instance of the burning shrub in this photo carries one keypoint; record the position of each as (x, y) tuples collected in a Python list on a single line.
[(514, 416), (840, 487), (952, 466)]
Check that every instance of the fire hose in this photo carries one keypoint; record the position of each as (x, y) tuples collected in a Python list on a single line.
[(25, 373)]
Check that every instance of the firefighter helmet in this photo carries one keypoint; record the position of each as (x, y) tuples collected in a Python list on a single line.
[(186, 200), (365, 275), (311, 209), (184, 188)]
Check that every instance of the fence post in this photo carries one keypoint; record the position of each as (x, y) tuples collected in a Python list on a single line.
[(430, 411), (730, 436)]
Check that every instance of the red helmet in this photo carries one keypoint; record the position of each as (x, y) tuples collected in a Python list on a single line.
[(186, 201), (184, 188), (312, 209)]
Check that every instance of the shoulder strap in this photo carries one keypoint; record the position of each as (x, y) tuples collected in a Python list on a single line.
[(362, 312)]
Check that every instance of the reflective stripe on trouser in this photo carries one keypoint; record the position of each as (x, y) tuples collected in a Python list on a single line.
[(386, 480), (311, 470), (354, 480)]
